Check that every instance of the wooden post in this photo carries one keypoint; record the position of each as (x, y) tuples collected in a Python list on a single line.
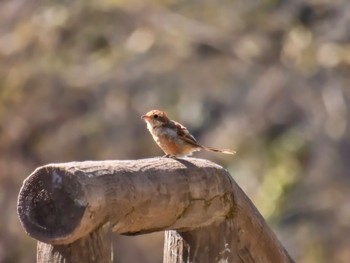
[(71, 208), (93, 248)]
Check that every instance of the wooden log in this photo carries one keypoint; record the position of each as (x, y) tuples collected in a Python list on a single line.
[(65, 205)]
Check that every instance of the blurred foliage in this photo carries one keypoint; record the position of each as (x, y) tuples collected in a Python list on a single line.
[(269, 79)]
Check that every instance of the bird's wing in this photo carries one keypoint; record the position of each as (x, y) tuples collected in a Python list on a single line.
[(184, 133)]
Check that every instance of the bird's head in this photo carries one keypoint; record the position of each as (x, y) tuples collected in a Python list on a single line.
[(155, 117)]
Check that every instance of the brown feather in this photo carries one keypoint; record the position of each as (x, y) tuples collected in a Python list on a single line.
[(185, 134), (172, 137)]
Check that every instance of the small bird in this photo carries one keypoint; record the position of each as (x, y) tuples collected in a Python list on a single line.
[(172, 137)]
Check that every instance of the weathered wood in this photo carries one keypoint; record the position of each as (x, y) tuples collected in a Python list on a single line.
[(93, 248), (60, 203), (228, 241), (65, 205)]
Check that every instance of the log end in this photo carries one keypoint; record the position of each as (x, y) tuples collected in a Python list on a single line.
[(50, 204)]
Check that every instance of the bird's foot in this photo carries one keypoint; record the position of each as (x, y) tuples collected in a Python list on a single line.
[(169, 156)]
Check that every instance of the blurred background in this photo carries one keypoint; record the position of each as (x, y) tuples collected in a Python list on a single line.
[(269, 79)]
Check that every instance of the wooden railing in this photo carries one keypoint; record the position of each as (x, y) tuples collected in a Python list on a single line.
[(72, 209)]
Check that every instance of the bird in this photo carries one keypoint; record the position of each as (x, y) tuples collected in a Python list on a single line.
[(174, 138)]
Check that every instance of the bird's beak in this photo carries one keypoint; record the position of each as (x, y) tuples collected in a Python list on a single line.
[(145, 117)]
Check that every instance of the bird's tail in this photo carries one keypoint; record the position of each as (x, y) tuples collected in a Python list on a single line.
[(211, 149)]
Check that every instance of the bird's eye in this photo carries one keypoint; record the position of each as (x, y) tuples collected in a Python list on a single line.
[(155, 116)]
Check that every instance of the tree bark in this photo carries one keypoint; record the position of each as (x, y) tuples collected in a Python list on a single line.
[(64, 206)]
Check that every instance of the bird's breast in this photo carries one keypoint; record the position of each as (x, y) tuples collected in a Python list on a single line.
[(170, 142)]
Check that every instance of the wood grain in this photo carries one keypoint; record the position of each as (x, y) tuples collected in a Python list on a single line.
[(65, 206)]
